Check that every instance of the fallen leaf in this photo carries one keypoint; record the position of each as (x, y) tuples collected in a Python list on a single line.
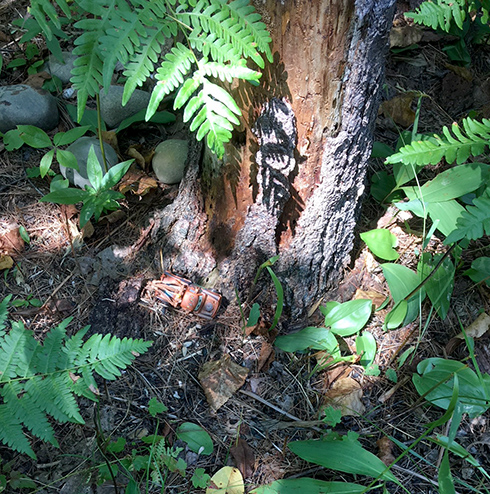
[(220, 379), (385, 447), (345, 395), (461, 71), (266, 356), (377, 298), (244, 457), (110, 137), (475, 330), (227, 480), (137, 181), (138, 157), (403, 36), (6, 262), (399, 108), (88, 230), (113, 217), (37, 80), (11, 242)]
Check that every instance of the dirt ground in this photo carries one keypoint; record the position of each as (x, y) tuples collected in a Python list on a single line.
[(99, 280)]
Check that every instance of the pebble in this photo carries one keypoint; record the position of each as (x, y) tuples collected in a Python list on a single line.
[(111, 109), (80, 148), (24, 105), (169, 160), (60, 69)]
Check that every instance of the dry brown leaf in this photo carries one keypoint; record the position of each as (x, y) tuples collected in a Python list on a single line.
[(88, 230), (11, 242), (399, 108), (113, 217), (266, 356), (220, 379), (385, 447), (402, 36), (37, 80), (377, 298), (479, 327), (345, 395), (6, 262), (461, 71), (137, 181), (138, 157), (110, 137), (244, 457)]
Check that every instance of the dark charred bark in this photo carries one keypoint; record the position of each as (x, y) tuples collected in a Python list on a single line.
[(293, 186)]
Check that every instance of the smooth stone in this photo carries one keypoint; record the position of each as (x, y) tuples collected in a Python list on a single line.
[(111, 109), (60, 69), (80, 148), (24, 105), (169, 160)]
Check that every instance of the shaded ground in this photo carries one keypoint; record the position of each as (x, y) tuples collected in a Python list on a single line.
[(101, 283)]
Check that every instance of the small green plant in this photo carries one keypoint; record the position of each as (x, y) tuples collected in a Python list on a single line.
[(341, 320), (214, 40), (41, 379), (152, 461), (97, 198)]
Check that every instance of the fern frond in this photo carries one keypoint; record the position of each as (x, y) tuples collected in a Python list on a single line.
[(4, 314), (11, 432), (37, 379), (456, 146), (440, 14), (474, 221), (235, 26), (40, 9)]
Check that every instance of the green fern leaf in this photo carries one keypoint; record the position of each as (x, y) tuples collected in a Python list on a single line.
[(49, 358), (455, 146), (11, 432), (474, 221), (440, 14), (27, 413), (3, 315), (170, 75), (40, 9), (227, 73), (17, 346)]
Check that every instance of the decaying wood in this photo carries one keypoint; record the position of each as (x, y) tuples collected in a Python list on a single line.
[(291, 183)]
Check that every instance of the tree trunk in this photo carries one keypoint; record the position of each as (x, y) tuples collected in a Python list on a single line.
[(291, 182)]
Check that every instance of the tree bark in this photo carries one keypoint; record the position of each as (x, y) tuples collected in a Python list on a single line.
[(291, 182)]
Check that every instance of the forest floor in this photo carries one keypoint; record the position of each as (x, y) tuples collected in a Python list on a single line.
[(80, 274)]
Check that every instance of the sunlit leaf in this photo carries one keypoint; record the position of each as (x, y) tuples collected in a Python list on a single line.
[(350, 317), (381, 243)]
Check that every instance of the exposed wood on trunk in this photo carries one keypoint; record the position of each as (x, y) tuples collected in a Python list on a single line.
[(328, 69)]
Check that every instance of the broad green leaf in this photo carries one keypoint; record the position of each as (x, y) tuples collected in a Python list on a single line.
[(435, 377), (160, 117), (34, 136), (447, 213), (65, 196), (344, 455), (65, 138), (12, 140), (66, 158), (308, 338), (45, 163), (155, 407), (401, 281), (480, 270), (280, 298), (196, 438), (116, 446), (440, 285), (58, 183), (381, 150), (254, 315), (381, 243), (416, 206), (444, 477), (350, 317), (450, 184), (366, 348), (308, 486), (24, 235), (94, 169), (396, 316), (114, 174), (404, 173)]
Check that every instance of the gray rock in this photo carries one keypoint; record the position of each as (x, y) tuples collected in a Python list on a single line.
[(169, 160), (24, 105), (80, 148), (111, 109), (60, 69)]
